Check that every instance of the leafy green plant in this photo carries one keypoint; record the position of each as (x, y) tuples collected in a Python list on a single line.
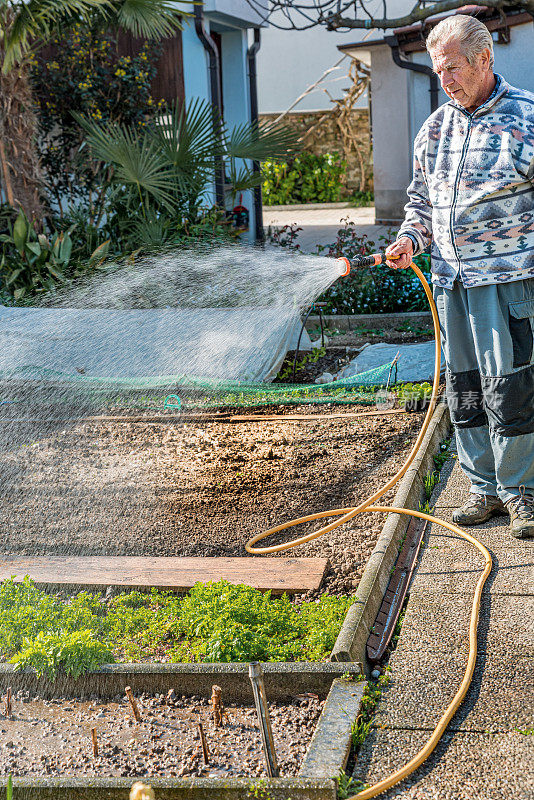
[(443, 455), (418, 330), (426, 508), (371, 697), (414, 396), (307, 178), (162, 174), (429, 481), (86, 74), (74, 653), (9, 788), (34, 262), (347, 785), (213, 622), (371, 290), (310, 358), (359, 198)]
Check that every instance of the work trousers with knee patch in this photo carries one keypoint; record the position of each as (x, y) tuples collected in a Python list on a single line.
[(488, 341)]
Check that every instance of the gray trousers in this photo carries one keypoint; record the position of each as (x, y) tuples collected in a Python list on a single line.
[(488, 341)]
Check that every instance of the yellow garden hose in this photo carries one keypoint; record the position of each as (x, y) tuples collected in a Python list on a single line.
[(346, 514)]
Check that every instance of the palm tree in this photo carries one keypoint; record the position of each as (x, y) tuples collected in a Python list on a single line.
[(164, 172), (23, 27)]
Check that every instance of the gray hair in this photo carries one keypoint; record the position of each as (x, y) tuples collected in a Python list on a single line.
[(471, 34)]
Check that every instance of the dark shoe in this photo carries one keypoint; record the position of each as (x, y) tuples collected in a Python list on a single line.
[(521, 510), (479, 508)]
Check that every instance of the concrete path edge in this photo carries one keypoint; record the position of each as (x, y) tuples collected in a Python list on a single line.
[(71, 788), (350, 322), (351, 642), (329, 749), (283, 680)]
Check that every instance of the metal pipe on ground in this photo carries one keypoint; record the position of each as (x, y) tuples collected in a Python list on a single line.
[(255, 673)]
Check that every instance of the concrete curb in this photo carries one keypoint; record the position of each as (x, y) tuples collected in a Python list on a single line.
[(349, 322), (168, 789), (309, 207), (352, 639), (329, 749), (282, 680)]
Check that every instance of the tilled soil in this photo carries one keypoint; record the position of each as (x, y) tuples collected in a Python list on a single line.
[(196, 488), (54, 738)]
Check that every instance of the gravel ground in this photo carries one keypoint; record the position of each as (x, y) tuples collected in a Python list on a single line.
[(195, 489), (54, 738)]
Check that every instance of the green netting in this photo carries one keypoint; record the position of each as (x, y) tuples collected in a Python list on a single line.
[(176, 393)]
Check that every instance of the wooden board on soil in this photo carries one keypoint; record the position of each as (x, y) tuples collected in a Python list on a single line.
[(291, 575)]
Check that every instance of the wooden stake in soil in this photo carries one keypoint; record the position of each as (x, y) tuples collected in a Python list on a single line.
[(9, 702), (95, 742), (203, 742), (133, 704), (217, 705)]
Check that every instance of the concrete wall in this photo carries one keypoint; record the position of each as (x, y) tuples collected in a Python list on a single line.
[(290, 61), (391, 134), (326, 139)]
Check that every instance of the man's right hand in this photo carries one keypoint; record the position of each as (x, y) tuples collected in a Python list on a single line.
[(402, 250)]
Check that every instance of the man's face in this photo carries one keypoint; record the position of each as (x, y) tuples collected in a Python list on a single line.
[(465, 84)]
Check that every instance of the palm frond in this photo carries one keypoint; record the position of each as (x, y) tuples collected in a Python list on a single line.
[(150, 19), (241, 177), (136, 158), (191, 135), (260, 141)]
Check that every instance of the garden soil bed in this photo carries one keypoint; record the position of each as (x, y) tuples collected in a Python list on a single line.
[(198, 488), (53, 737)]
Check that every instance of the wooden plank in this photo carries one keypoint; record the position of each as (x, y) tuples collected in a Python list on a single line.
[(291, 575)]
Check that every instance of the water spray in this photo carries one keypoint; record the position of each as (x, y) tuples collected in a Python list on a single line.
[(346, 514)]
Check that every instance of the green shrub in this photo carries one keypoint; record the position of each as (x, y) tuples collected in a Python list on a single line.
[(88, 76), (73, 653), (305, 179), (372, 290), (213, 622), (33, 262)]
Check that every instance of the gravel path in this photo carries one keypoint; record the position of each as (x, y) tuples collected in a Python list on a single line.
[(54, 738), (195, 489)]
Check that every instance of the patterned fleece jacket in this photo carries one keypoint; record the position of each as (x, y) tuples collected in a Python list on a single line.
[(472, 194)]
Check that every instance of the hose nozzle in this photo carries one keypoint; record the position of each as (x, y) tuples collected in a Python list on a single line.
[(345, 264)]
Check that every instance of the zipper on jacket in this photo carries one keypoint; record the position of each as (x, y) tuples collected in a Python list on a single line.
[(455, 190)]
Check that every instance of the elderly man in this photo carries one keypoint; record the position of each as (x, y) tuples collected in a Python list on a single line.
[(472, 199)]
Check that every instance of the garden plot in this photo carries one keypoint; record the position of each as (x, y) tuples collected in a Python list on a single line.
[(195, 489), (53, 737)]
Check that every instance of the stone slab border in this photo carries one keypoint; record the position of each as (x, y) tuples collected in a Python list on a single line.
[(308, 207), (329, 749), (351, 642), (282, 680), (349, 322), (170, 789)]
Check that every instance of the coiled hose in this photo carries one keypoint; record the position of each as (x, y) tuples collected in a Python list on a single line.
[(346, 514)]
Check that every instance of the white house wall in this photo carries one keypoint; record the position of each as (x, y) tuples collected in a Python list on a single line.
[(220, 16), (391, 133), (290, 61)]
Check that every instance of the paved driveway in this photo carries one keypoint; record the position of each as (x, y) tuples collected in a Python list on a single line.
[(320, 225)]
